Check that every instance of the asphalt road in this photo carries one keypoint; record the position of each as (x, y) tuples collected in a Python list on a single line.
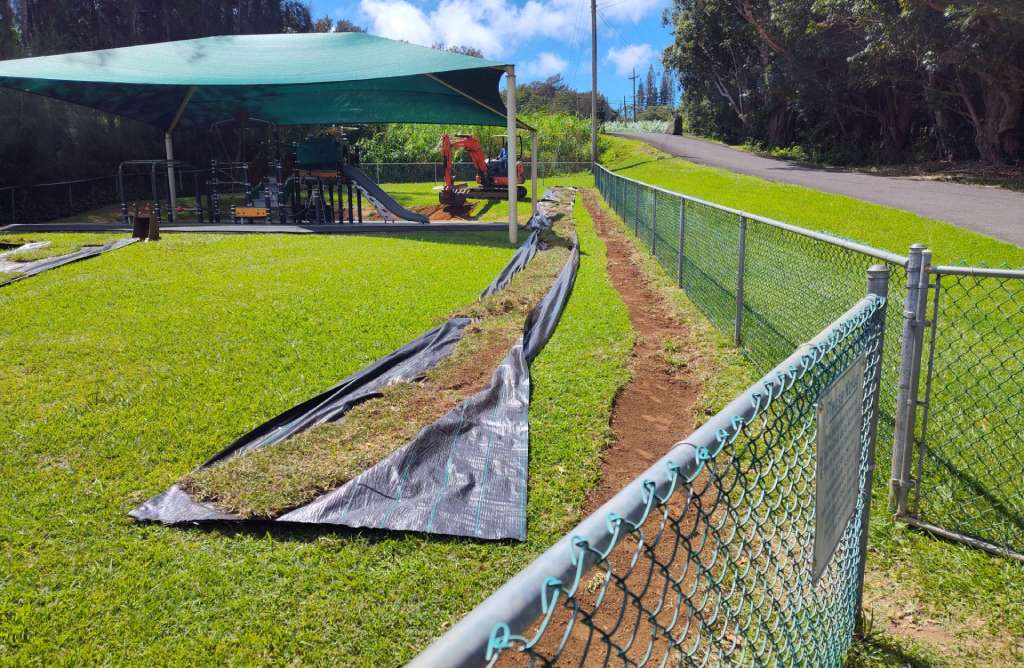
[(992, 211)]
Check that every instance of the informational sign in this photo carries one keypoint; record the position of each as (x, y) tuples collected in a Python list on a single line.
[(837, 471)]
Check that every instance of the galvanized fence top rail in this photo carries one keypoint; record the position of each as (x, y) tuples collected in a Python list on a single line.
[(869, 251), (706, 559)]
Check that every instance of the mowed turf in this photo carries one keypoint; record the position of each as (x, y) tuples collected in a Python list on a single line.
[(930, 601), (121, 373), (872, 224)]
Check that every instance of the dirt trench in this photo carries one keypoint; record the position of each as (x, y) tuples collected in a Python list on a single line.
[(650, 414)]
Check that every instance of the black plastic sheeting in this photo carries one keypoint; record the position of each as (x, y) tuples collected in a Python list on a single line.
[(83, 253), (464, 475)]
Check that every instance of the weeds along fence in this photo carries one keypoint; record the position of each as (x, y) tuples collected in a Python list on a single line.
[(714, 556)]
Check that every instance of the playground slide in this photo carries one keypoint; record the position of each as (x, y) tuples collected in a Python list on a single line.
[(388, 207)]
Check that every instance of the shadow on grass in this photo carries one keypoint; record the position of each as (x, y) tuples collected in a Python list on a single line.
[(876, 648), (308, 533)]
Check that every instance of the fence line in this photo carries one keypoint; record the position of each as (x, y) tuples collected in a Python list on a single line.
[(42, 202), (706, 558)]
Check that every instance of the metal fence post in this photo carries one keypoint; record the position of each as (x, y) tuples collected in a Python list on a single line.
[(654, 223), (738, 325), (878, 284), (910, 373), (680, 257), (636, 212)]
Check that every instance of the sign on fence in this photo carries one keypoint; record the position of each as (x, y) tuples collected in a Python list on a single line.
[(837, 470)]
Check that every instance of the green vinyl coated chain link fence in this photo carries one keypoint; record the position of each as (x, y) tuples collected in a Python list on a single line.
[(708, 558)]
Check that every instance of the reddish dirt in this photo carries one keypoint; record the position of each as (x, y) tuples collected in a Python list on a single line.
[(441, 212), (651, 413)]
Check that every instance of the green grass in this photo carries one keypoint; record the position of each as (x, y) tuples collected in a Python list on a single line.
[(974, 597), (122, 373), (61, 243), (872, 224)]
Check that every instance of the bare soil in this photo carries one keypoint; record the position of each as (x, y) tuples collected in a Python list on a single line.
[(651, 413)]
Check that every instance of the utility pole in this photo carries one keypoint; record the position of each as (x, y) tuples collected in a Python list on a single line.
[(633, 79), (593, 81)]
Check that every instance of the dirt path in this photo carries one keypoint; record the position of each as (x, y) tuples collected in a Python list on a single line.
[(989, 210), (655, 409), (651, 413)]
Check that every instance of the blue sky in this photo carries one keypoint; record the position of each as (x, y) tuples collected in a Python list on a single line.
[(542, 37)]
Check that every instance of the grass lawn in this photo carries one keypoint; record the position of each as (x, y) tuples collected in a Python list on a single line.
[(124, 372), (935, 602), (61, 243), (855, 219)]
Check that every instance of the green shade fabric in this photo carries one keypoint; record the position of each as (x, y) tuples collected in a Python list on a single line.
[(287, 79)]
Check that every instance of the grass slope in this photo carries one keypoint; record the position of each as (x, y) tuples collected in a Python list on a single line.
[(934, 602), (126, 371), (880, 226)]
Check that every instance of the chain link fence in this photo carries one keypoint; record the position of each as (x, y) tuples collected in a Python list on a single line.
[(768, 284), (433, 172), (40, 203), (959, 465), (710, 557)]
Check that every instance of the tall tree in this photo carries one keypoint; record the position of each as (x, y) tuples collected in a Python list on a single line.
[(651, 88)]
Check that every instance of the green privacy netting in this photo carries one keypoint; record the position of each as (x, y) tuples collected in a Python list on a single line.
[(287, 79)]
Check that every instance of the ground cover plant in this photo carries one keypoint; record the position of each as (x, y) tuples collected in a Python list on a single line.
[(162, 353), (961, 603), (285, 475)]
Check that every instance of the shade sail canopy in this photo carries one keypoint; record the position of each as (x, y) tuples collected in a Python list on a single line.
[(287, 79)]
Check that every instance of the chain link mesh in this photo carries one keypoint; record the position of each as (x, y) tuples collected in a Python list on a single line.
[(970, 458), (793, 284), (715, 570)]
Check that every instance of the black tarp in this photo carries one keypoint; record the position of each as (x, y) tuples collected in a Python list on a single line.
[(464, 475), (39, 266)]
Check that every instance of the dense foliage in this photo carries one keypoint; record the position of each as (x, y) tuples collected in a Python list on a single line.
[(554, 96), (43, 140), (561, 137), (887, 80)]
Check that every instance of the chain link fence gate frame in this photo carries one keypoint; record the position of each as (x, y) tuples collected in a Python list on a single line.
[(958, 458), (706, 558)]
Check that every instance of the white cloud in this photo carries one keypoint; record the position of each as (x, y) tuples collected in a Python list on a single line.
[(544, 66), (630, 10), (629, 57), (496, 27), (398, 19)]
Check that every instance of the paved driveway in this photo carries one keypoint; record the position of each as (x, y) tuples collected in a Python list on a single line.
[(993, 211)]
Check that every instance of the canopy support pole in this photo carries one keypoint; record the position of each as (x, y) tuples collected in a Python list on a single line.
[(513, 155), (533, 172), (172, 190)]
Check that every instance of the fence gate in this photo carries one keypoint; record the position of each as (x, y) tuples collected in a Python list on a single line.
[(958, 465)]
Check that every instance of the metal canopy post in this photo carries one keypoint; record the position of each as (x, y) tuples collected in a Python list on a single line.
[(533, 172), (510, 115), (172, 191)]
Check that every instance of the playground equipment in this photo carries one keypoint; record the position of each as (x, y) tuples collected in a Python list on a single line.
[(324, 185), (491, 174)]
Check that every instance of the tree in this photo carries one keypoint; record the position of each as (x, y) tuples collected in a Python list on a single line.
[(666, 92), (651, 88), (344, 25), (464, 50), (641, 96)]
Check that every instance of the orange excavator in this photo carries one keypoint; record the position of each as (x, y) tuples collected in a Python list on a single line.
[(491, 175)]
